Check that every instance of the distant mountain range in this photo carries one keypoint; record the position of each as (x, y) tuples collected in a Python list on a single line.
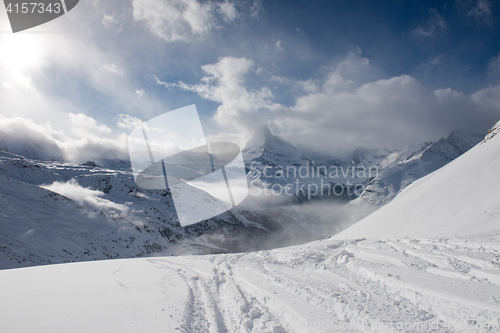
[(398, 169), (382, 173), (53, 211)]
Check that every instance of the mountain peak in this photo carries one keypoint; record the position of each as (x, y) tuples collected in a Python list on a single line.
[(265, 139), (368, 155), (463, 139), (264, 146)]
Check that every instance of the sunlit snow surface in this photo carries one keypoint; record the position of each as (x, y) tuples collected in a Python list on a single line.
[(375, 286)]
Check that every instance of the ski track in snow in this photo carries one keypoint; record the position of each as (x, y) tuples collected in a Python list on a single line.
[(398, 285), (449, 285)]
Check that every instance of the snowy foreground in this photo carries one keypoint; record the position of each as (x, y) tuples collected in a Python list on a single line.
[(415, 285)]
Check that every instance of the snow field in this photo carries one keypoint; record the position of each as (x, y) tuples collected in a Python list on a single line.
[(398, 285)]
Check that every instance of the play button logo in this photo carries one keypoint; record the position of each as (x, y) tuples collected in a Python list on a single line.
[(170, 152), (28, 14)]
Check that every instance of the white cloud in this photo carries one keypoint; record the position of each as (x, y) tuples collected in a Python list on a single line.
[(348, 73), (384, 113), (76, 63), (95, 148), (228, 11), (114, 69), (17, 80), (108, 20), (71, 137), (225, 84), (345, 111), (487, 99), (375, 114), (434, 25), (42, 124), (128, 122), (493, 66), (84, 196), (276, 77), (85, 124), (27, 138), (181, 20), (365, 110), (140, 93), (482, 12), (427, 67), (256, 8), (436, 60), (309, 86), (279, 48)]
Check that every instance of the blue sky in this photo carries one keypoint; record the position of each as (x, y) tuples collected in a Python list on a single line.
[(328, 76)]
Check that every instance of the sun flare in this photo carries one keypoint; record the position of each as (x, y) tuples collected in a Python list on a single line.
[(20, 52)]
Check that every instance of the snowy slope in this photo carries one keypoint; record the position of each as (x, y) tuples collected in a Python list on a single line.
[(462, 198), (418, 285)]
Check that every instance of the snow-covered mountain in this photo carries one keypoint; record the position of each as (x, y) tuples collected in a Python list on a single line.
[(276, 165), (267, 149), (272, 161), (461, 198), (54, 212), (399, 168), (427, 279), (380, 174)]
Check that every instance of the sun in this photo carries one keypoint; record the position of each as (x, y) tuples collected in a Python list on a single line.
[(20, 55), (20, 52)]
